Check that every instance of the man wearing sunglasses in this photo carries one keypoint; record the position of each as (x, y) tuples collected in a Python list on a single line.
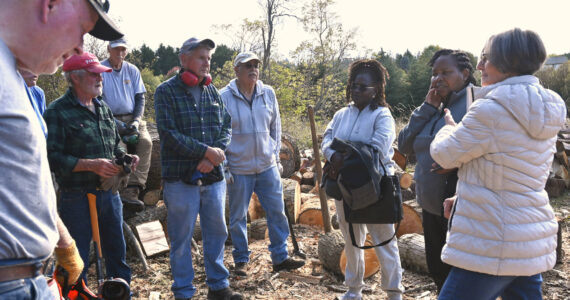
[(253, 159)]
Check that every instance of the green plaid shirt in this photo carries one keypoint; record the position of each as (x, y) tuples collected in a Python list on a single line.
[(75, 132), (187, 127)]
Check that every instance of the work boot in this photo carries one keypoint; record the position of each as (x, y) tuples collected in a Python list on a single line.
[(288, 264), (130, 199), (224, 294), (239, 269)]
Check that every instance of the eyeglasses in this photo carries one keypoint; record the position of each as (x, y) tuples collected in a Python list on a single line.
[(360, 87), (251, 65)]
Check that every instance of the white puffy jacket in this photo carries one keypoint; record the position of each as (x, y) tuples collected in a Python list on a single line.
[(502, 222)]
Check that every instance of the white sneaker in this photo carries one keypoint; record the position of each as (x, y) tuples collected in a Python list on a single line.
[(351, 296)]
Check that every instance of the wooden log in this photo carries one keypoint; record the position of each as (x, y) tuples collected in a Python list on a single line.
[(559, 240), (289, 155), (292, 198), (257, 229), (412, 252), (408, 194), (133, 245), (555, 187), (154, 179), (371, 262), (297, 176), (411, 223), (307, 196), (306, 188), (405, 180), (310, 212), (255, 210), (314, 190), (308, 178), (400, 159), (150, 213), (152, 197), (306, 164), (330, 247)]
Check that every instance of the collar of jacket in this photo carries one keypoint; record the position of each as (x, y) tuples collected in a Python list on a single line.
[(235, 91)]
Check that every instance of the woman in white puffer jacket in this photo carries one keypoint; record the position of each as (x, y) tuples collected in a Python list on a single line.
[(502, 230)]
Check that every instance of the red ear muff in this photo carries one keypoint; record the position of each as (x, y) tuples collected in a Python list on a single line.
[(192, 80)]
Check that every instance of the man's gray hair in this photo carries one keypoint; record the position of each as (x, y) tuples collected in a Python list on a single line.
[(67, 76), (516, 51)]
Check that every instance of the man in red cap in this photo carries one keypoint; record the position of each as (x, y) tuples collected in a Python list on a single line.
[(35, 35), (81, 144)]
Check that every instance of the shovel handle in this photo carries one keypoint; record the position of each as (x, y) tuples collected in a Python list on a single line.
[(94, 221)]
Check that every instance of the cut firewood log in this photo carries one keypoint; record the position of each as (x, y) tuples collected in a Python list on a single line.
[(307, 196), (555, 187), (310, 212), (560, 171), (306, 188), (314, 190), (412, 252), (289, 155), (297, 176), (405, 180), (255, 210), (257, 229), (400, 159), (306, 164), (330, 247), (154, 178), (411, 223), (308, 178), (371, 262), (152, 197), (292, 198), (408, 194)]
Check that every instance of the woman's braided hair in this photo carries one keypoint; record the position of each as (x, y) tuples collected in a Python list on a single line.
[(462, 60), (379, 75)]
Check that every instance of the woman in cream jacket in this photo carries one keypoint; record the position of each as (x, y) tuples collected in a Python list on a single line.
[(502, 230)]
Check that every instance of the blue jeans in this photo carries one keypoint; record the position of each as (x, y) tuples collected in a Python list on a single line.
[(267, 186), (184, 202), (35, 288), (74, 212), (463, 284)]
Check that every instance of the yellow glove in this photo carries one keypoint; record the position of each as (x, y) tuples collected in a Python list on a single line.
[(69, 259)]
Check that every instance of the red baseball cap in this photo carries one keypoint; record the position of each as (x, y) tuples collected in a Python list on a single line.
[(86, 61)]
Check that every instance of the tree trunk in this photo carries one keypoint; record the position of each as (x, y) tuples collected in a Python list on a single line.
[(330, 247), (292, 198), (411, 223), (412, 252), (257, 229)]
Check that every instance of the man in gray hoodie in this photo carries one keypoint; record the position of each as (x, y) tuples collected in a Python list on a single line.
[(253, 159)]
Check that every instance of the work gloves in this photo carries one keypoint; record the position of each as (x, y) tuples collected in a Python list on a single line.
[(69, 259)]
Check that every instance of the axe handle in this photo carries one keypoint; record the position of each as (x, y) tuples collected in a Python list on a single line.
[(94, 222)]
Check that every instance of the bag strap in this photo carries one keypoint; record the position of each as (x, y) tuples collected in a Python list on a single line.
[(351, 231)]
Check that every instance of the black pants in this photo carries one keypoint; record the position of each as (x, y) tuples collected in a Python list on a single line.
[(435, 229)]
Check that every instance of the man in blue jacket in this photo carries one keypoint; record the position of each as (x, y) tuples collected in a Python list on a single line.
[(253, 158)]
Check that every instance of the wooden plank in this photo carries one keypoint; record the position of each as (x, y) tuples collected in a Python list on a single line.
[(152, 238)]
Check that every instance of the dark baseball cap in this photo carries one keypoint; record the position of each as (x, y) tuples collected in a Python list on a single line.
[(104, 29)]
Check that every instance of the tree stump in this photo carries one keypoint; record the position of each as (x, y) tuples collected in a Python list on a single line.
[(411, 223), (330, 247), (292, 198), (154, 179), (371, 262), (311, 214), (257, 230), (255, 211), (412, 252), (406, 180), (289, 156)]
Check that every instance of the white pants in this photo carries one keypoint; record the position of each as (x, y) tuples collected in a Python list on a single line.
[(388, 255)]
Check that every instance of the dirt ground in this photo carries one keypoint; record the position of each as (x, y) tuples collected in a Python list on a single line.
[(262, 283)]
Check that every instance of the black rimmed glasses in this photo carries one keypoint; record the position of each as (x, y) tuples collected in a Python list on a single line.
[(360, 87)]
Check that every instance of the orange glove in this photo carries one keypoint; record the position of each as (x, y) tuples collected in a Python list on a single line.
[(70, 260)]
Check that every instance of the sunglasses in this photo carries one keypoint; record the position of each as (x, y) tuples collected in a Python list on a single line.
[(251, 65), (360, 87)]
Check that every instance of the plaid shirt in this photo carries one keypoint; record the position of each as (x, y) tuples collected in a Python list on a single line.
[(187, 127), (74, 132)]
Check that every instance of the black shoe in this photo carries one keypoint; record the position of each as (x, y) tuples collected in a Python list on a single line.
[(224, 294), (130, 199), (289, 264), (239, 269)]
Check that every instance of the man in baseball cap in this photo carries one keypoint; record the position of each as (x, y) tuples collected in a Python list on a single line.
[(82, 142), (36, 36)]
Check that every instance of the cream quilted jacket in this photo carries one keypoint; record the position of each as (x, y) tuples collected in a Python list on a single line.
[(502, 221)]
